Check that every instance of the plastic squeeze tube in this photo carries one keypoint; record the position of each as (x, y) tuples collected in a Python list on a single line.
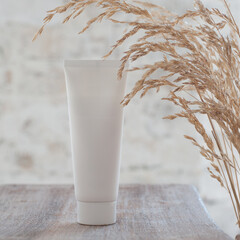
[(96, 122)]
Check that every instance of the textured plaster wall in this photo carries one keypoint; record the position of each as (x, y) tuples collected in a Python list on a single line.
[(34, 129)]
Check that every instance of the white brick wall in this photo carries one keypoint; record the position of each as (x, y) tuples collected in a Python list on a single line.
[(34, 131)]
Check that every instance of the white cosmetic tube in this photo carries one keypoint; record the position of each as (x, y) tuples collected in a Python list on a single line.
[(96, 122)]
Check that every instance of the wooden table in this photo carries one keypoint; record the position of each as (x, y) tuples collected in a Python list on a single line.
[(146, 212)]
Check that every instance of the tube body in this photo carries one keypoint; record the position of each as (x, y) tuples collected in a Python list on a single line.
[(96, 122)]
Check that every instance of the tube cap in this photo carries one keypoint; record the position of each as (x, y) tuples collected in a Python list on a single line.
[(96, 213)]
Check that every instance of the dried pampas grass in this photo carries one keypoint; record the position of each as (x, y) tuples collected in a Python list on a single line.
[(200, 62)]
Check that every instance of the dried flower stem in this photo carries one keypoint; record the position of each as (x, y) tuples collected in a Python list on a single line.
[(201, 57)]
